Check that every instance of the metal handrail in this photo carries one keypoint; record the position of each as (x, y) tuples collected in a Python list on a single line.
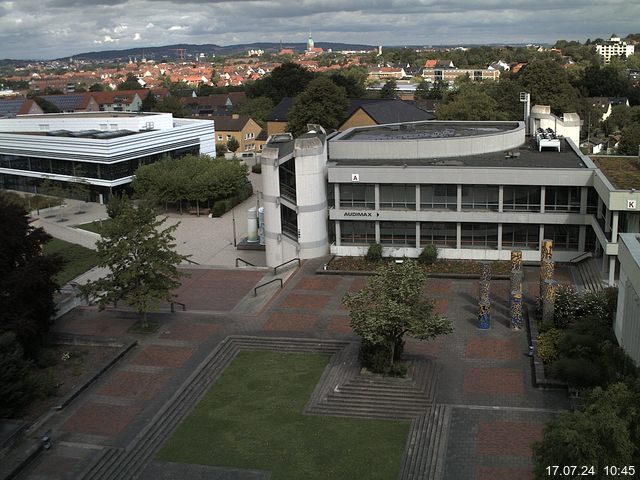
[(582, 256), (255, 290), (275, 269), (244, 261), (191, 261)]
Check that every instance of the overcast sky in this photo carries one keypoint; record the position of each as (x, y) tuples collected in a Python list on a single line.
[(41, 29)]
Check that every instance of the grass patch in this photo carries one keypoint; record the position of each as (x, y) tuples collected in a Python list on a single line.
[(469, 267), (622, 172), (252, 418), (32, 202), (95, 226), (78, 259)]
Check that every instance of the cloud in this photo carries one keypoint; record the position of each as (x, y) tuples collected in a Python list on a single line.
[(26, 26)]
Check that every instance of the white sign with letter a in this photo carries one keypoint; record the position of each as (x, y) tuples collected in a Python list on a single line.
[(355, 177)]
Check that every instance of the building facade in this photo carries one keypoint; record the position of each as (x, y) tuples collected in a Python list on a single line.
[(476, 190), (101, 149), (627, 323), (614, 47)]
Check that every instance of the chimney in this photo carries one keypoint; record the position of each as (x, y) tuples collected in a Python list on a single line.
[(235, 116)]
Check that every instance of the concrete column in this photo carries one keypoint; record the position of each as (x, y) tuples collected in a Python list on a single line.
[(338, 232), (612, 270), (541, 236), (458, 235), (500, 204), (584, 194), (377, 197), (336, 195), (377, 231), (582, 237), (543, 193), (607, 220), (417, 234), (614, 227), (599, 212), (500, 235), (459, 198), (417, 197)]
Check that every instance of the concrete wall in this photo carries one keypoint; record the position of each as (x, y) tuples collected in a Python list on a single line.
[(86, 121), (627, 322), (568, 126)]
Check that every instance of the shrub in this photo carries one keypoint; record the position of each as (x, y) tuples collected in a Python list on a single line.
[(578, 372), (15, 384), (567, 305), (548, 345), (428, 255), (257, 168), (218, 208), (376, 357), (374, 254)]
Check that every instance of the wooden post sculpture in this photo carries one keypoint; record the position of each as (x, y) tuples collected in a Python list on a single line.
[(484, 305)]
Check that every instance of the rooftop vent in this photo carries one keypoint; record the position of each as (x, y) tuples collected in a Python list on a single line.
[(547, 139), (280, 138)]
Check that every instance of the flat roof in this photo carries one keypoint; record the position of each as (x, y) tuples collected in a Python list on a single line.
[(526, 156), (428, 129), (622, 172), (90, 115)]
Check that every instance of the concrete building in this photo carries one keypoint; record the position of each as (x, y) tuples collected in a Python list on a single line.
[(101, 148), (449, 75), (476, 190), (627, 323), (614, 47)]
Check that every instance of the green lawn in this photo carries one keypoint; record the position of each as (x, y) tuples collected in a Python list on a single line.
[(252, 418), (78, 259), (94, 226)]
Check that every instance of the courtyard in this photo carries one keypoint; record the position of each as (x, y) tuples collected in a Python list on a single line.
[(470, 410)]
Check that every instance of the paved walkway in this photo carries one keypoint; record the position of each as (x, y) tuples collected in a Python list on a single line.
[(484, 387)]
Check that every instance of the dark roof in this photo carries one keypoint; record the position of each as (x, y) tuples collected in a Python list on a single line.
[(280, 112), (69, 102), (11, 106), (226, 123), (381, 110), (388, 110)]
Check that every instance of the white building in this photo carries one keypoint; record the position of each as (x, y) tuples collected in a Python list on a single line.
[(627, 323), (102, 148), (614, 47)]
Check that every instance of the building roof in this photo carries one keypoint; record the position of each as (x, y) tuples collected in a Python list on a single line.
[(69, 102), (15, 106), (380, 110), (226, 123)]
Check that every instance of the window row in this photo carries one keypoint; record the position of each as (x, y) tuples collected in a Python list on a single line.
[(473, 197), (444, 234)]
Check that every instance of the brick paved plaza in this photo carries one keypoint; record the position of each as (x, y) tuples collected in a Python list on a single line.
[(483, 377)]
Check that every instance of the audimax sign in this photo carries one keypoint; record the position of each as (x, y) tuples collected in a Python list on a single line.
[(360, 214)]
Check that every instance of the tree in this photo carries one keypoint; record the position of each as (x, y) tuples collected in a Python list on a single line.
[(287, 80), (469, 103), (148, 103), (142, 261), (14, 376), (171, 104), (322, 102), (130, 83), (353, 84), (27, 277), (389, 89), (630, 140), (393, 304), (257, 109), (232, 144), (548, 83), (97, 87)]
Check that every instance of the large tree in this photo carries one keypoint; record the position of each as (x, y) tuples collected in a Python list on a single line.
[(548, 83), (142, 262), (630, 140), (27, 277), (392, 305), (470, 102), (287, 80), (322, 102)]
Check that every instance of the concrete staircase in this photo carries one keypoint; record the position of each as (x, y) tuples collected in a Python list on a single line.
[(589, 276)]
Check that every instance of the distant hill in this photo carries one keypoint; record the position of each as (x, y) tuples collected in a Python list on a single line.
[(191, 50)]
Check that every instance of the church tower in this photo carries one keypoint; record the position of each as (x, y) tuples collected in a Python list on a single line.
[(310, 43)]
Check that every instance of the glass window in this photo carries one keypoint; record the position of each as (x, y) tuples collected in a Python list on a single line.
[(439, 197), (562, 199), (289, 220), (592, 201), (287, 174), (357, 233), (480, 197), (438, 234), (521, 198), (564, 237), (479, 235), (520, 236), (357, 196), (398, 233), (398, 196)]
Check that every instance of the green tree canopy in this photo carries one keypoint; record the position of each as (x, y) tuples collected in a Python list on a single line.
[(322, 102), (470, 102), (392, 305), (233, 145), (14, 376), (130, 83), (141, 259), (630, 140), (287, 80), (389, 89), (27, 283), (257, 109), (548, 83)]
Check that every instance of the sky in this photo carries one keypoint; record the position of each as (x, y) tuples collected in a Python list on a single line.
[(45, 29)]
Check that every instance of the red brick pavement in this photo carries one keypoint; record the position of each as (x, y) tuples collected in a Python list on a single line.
[(427, 348), (491, 348), (320, 283), (507, 438), (442, 304), (438, 286), (161, 356), (311, 302), (503, 473), (291, 322), (217, 290), (89, 321), (493, 381), (188, 332), (339, 324), (358, 284), (56, 465), (100, 419), (137, 385)]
